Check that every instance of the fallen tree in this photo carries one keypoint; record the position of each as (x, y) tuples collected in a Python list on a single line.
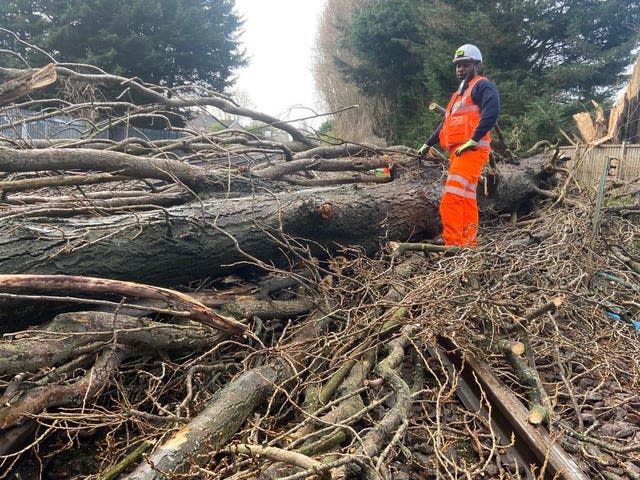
[(333, 373), (318, 399), (206, 196), (257, 228)]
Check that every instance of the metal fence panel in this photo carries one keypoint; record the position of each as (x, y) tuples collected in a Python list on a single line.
[(119, 133), (16, 124)]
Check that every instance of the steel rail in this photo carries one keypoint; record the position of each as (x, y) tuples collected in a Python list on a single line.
[(534, 445)]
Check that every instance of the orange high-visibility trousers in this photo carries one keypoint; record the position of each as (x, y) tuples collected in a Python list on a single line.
[(458, 207)]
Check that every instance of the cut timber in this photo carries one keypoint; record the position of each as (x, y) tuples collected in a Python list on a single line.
[(223, 415), (399, 248), (527, 375), (214, 426), (551, 306), (538, 415), (511, 347)]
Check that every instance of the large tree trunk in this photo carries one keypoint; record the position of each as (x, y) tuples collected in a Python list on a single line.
[(202, 239)]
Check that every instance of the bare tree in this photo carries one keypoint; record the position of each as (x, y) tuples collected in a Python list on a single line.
[(358, 124)]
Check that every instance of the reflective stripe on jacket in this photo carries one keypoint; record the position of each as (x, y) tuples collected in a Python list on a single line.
[(461, 119)]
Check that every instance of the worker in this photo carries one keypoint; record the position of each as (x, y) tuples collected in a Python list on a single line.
[(471, 113)]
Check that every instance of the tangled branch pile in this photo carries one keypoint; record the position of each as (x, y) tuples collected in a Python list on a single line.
[(354, 382), (355, 359)]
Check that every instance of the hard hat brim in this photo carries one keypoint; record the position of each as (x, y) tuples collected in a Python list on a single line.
[(464, 59)]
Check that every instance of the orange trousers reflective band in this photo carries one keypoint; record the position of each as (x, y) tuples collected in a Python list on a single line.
[(459, 208)]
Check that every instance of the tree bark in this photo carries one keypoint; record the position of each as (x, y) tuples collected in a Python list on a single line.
[(110, 338), (191, 308), (87, 387), (225, 413), (71, 334), (214, 426), (14, 160), (198, 240)]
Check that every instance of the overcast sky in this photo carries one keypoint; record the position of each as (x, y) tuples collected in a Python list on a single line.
[(279, 36)]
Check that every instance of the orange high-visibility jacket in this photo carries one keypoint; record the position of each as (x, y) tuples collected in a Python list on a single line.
[(461, 119)]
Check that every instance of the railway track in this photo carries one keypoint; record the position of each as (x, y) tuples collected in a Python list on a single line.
[(533, 446)]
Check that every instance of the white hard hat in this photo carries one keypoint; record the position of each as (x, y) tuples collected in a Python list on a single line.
[(467, 52)]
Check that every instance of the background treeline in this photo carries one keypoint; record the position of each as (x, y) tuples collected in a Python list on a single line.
[(165, 42), (168, 43), (549, 59)]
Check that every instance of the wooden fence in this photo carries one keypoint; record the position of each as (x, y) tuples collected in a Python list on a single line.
[(588, 162)]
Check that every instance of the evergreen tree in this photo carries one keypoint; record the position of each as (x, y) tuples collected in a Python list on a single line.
[(549, 58), (382, 35), (167, 42)]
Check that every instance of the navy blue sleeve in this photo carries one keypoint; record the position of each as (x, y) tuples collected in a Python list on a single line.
[(485, 95), (435, 136)]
